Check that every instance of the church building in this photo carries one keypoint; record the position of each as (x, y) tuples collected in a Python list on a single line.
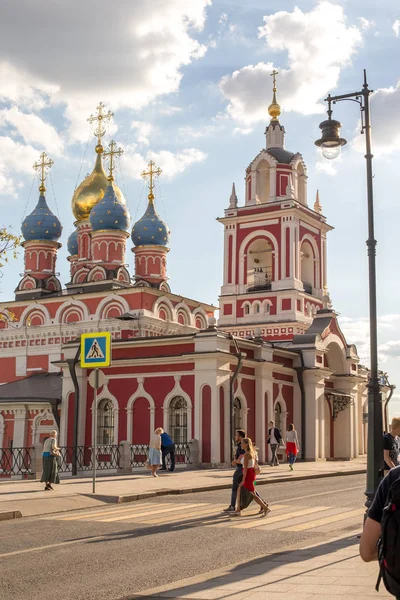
[(173, 364)]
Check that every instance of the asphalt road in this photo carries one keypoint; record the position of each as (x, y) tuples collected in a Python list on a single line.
[(113, 552)]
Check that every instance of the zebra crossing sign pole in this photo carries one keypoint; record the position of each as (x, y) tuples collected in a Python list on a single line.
[(95, 353)]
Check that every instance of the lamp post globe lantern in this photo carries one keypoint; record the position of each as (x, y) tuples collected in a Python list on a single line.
[(330, 142)]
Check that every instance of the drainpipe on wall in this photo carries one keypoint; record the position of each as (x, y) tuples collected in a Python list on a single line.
[(72, 369), (240, 356), (300, 379)]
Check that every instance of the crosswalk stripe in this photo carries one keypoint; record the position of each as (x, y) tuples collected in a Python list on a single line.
[(90, 514), (144, 514), (283, 517), (352, 523), (326, 520), (189, 514)]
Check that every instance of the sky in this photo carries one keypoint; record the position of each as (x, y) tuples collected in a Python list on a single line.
[(189, 84)]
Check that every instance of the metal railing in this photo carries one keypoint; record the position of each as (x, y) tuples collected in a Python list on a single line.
[(15, 461), (259, 278), (107, 457), (139, 454)]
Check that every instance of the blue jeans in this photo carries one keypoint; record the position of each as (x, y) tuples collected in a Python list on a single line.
[(292, 458)]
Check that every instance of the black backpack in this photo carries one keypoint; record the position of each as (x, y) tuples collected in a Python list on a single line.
[(389, 542)]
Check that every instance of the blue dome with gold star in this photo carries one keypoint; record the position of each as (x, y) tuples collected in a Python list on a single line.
[(41, 224), (109, 213), (72, 243), (150, 229)]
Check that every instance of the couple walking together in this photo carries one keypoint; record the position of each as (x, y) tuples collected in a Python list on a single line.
[(246, 467), (275, 439)]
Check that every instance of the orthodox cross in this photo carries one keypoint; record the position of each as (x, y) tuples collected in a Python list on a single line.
[(152, 172), (43, 165), (100, 118), (274, 74), (112, 151)]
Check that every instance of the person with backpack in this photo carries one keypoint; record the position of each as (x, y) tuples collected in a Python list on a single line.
[(274, 439), (380, 539)]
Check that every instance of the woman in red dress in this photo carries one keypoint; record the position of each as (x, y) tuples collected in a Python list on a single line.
[(249, 460)]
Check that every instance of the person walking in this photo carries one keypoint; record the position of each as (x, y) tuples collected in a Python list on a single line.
[(167, 449), (274, 440), (292, 445), (248, 460), (50, 463), (237, 476), (154, 458), (391, 446)]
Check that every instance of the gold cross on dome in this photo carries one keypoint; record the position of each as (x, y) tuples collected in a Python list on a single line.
[(112, 151), (274, 74), (153, 171), (43, 165), (100, 118)]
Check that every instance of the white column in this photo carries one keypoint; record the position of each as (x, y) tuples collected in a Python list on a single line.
[(314, 389), (261, 389), (283, 249), (20, 415), (323, 262), (322, 426), (253, 176), (215, 426), (270, 411)]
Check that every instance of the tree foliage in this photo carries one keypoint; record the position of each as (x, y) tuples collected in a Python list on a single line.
[(9, 244)]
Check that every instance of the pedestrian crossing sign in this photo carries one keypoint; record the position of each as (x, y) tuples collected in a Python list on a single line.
[(95, 350)]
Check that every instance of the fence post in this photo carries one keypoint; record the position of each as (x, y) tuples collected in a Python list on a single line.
[(36, 461), (125, 460), (194, 449)]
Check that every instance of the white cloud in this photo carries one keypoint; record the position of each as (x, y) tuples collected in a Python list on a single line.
[(318, 44), (143, 131), (125, 54), (396, 27), (171, 163), (385, 108), (356, 332), (15, 159), (242, 130), (33, 130), (366, 24), (196, 133)]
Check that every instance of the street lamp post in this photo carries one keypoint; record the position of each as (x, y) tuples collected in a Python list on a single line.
[(330, 144)]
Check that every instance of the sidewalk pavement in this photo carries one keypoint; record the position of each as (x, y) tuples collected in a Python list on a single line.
[(30, 499), (331, 570)]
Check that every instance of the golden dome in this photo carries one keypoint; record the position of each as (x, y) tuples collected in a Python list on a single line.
[(274, 108), (92, 190)]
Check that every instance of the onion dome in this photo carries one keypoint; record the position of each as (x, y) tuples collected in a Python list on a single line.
[(109, 212), (150, 229), (41, 224), (72, 243), (92, 189)]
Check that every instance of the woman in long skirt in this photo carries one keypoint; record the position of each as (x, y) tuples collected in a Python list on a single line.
[(154, 458), (249, 476), (292, 445), (50, 463)]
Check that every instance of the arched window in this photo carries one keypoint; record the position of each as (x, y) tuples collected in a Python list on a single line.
[(246, 308), (259, 265), (307, 266), (105, 423), (237, 414), (279, 417), (267, 308), (257, 308), (178, 420)]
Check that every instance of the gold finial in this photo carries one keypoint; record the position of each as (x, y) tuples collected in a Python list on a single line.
[(43, 165), (274, 109), (100, 131), (317, 204), (112, 151), (151, 173)]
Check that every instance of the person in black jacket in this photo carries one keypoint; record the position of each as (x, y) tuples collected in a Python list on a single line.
[(274, 439), (238, 474)]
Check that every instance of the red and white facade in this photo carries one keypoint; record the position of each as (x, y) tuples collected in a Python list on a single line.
[(170, 366)]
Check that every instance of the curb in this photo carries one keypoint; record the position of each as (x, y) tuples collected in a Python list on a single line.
[(11, 514), (227, 486)]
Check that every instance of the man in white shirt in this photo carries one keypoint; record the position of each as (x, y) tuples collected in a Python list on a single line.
[(274, 440)]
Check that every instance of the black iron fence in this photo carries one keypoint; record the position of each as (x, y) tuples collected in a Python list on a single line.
[(107, 457), (21, 461), (15, 461), (139, 454)]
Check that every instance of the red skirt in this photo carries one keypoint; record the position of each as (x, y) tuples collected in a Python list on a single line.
[(250, 479), (291, 448)]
